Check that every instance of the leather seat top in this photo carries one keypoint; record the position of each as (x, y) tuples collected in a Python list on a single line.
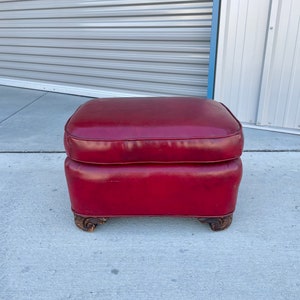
[(153, 130)]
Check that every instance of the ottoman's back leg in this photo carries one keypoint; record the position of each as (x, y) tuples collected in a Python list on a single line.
[(217, 224), (88, 223)]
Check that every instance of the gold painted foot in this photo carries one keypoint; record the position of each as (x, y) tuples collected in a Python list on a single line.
[(88, 223)]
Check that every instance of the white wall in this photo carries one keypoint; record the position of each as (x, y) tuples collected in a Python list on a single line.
[(258, 61), (241, 45), (280, 91)]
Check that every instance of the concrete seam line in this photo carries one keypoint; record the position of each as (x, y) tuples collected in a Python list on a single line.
[(23, 107)]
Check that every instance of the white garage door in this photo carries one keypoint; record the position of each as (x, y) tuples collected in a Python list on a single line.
[(106, 48)]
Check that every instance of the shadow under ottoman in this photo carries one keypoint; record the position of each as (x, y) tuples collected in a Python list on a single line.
[(170, 156)]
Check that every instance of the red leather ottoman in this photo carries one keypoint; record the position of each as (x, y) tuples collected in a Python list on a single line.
[(171, 156)]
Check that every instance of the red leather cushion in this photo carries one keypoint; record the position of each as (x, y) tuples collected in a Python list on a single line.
[(158, 130)]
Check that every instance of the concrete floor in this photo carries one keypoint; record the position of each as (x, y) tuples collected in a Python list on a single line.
[(44, 256)]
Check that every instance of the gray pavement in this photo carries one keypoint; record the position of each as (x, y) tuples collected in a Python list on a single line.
[(44, 256)]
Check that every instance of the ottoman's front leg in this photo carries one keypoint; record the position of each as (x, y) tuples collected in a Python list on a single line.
[(217, 224), (88, 223)]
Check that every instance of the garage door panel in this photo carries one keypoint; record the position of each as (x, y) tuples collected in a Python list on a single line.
[(149, 47), (155, 67), (108, 85)]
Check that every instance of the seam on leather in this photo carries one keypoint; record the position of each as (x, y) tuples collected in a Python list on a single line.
[(174, 162), (237, 133), (239, 123)]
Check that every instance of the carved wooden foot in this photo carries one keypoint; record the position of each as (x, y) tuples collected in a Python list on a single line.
[(217, 224), (88, 223)]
